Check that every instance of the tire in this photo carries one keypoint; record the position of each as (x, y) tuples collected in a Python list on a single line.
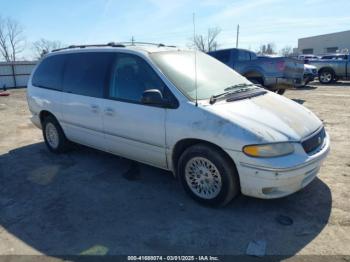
[(54, 136), (280, 91), (256, 81), (326, 76), (201, 164)]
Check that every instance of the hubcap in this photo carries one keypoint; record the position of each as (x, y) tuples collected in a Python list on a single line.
[(326, 77), (203, 178), (51, 135)]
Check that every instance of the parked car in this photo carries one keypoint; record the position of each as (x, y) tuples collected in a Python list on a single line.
[(336, 56), (333, 69), (216, 131), (308, 57), (274, 73), (310, 73)]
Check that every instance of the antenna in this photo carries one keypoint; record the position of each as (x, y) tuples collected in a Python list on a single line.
[(237, 36), (195, 57)]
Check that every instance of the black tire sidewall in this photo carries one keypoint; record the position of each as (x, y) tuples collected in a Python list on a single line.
[(62, 141), (281, 91), (229, 176)]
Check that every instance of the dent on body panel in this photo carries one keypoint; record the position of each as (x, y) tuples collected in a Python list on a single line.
[(289, 114), (219, 130)]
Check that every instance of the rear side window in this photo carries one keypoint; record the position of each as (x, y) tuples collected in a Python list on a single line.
[(87, 73), (223, 56), (49, 73)]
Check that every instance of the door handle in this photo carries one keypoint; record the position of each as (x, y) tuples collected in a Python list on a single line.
[(109, 111), (95, 108)]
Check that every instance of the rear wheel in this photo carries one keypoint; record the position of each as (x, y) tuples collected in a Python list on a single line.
[(54, 136), (256, 81), (208, 176), (326, 76)]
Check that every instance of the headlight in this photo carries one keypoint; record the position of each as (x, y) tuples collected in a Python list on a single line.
[(269, 150)]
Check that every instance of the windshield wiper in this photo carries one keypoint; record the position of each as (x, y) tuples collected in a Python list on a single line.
[(234, 89), (238, 86)]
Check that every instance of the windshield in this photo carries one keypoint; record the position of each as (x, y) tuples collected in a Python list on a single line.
[(213, 77)]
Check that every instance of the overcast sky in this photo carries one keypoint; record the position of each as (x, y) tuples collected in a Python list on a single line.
[(100, 21)]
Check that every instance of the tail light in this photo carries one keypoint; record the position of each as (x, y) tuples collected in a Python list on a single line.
[(280, 65)]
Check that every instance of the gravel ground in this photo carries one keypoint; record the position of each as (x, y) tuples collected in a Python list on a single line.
[(85, 202)]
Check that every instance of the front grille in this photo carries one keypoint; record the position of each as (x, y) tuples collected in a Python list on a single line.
[(314, 141)]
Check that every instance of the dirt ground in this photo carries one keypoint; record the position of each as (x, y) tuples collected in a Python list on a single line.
[(83, 203)]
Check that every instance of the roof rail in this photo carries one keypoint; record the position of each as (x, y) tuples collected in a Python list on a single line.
[(111, 44), (146, 43)]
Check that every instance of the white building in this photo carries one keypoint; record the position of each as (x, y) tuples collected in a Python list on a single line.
[(328, 43)]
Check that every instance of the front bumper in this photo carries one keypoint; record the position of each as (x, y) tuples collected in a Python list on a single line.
[(273, 181)]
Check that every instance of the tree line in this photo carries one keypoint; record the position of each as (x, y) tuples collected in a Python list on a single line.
[(209, 42), (13, 42)]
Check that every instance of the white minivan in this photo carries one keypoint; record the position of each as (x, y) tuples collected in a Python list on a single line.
[(178, 110)]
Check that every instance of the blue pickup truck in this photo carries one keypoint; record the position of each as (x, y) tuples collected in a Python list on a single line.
[(274, 73)]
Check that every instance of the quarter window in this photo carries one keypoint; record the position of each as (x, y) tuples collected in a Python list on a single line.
[(87, 73), (130, 77), (49, 73)]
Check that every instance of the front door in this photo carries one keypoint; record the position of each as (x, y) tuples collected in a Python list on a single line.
[(134, 130)]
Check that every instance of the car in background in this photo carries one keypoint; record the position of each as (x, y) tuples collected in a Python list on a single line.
[(306, 58), (274, 73), (310, 73), (335, 56), (331, 68)]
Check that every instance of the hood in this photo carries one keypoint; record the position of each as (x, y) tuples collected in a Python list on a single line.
[(270, 117)]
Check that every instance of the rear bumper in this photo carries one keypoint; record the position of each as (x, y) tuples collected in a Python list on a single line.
[(36, 120), (274, 182), (282, 82), (309, 77)]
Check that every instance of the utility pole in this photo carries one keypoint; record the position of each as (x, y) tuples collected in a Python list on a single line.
[(237, 37), (132, 40)]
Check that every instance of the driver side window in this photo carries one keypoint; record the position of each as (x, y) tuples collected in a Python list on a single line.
[(130, 77)]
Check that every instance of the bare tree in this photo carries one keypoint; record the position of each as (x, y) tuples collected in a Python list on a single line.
[(286, 51), (4, 46), (11, 39), (207, 43), (267, 49), (44, 46)]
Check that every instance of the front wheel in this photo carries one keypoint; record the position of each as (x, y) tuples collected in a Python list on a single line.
[(208, 175), (326, 76)]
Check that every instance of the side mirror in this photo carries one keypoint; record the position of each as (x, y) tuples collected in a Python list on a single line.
[(152, 97)]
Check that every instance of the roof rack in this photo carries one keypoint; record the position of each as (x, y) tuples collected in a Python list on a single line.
[(112, 44), (146, 43)]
